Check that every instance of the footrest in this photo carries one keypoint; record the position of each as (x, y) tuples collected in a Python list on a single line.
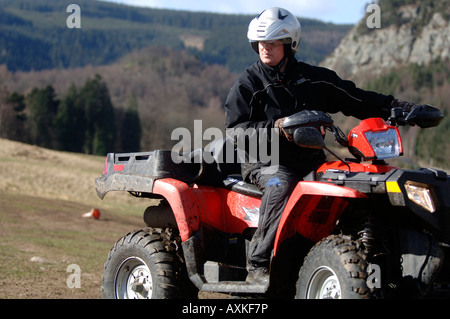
[(215, 272), (228, 279), (235, 287)]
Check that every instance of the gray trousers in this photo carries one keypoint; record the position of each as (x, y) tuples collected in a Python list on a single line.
[(277, 185)]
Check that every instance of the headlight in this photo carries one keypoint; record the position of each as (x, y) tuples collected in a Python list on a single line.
[(374, 139), (421, 195), (385, 144)]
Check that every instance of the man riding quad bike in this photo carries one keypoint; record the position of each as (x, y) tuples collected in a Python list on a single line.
[(277, 86), (353, 228), (298, 226)]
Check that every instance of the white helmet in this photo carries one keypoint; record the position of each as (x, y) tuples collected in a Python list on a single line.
[(275, 24)]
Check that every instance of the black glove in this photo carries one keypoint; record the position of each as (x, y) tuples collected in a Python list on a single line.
[(278, 125), (405, 105)]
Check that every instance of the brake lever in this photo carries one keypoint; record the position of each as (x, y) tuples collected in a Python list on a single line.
[(339, 136), (398, 117)]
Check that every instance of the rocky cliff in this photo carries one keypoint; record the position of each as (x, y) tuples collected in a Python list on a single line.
[(409, 32)]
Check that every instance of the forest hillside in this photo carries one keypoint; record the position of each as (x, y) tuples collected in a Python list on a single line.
[(40, 34), (124, 77), (130, 76), (164, 88)]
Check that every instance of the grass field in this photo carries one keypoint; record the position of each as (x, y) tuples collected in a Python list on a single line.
[(43, 194)]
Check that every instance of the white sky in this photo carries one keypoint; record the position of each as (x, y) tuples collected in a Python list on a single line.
[(337, 11)]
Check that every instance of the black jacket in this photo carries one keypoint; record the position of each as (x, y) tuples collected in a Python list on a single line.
[(262, 94)]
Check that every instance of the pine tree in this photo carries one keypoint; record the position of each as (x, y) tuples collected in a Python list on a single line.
[(99, 117), (70, 122), (42, 107), (130, 137), (18, 130)]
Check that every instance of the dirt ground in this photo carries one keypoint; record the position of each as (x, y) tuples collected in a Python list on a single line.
[(41, 238)]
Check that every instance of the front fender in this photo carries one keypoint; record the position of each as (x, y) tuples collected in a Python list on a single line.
[(312, 211)]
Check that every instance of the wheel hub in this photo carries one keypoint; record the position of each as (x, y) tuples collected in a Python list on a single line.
[(324, 284), (140, 282), (133, 280)]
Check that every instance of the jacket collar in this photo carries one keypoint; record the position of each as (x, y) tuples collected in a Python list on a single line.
[(275, 74)]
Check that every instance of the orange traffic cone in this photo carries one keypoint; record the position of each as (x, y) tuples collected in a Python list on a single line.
[(94, 213)]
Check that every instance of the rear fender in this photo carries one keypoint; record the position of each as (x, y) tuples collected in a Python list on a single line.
[(183, 202), (313, 210)]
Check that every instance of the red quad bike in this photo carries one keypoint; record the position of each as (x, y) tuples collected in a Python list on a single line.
[(355, 228)]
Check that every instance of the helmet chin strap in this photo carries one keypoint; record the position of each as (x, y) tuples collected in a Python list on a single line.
[(287, 55), (282, 63)]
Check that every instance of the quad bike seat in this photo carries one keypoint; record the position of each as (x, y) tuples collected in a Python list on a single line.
[(225, 170), (237, 184)]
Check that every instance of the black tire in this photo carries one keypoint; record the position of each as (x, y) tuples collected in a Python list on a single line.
[(335, 268), (144, 265)]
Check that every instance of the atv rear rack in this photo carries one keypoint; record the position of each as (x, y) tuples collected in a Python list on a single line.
[(136, 172)]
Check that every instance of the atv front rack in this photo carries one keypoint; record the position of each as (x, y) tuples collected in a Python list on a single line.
[(393, 183)]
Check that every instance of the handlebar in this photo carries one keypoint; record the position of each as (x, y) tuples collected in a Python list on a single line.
[(424, 116)]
